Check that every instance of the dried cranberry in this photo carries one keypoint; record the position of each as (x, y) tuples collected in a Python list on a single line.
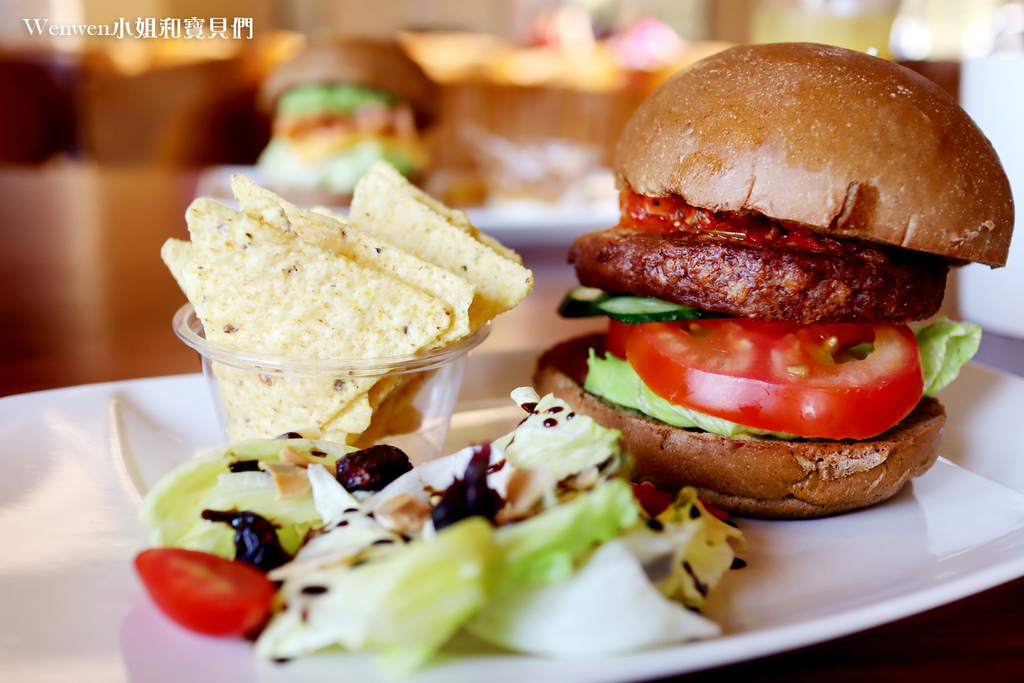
[(373, 468), (469, 496), (256, 539)]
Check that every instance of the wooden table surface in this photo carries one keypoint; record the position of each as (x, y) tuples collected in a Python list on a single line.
[(84, 297)]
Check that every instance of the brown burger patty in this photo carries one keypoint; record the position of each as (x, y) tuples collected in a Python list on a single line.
[(865, 283)]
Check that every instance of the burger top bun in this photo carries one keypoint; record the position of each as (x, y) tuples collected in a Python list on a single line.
[(836, 140), (371, 63)]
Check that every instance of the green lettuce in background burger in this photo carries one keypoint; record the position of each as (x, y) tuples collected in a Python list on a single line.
[(338, 107)]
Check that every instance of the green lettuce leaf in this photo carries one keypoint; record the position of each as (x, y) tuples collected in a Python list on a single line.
[(403, 603), (553, 437), (173, 507), (945, 347), (337, 173), (690, 552), (608, 607), (545, 548), (615, 380), (314, 98), (661, 574)]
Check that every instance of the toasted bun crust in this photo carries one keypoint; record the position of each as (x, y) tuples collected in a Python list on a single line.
[(754, 477), (378, 64), (839, 141)]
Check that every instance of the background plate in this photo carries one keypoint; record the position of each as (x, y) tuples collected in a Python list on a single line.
[(75, 460), (515, 226)]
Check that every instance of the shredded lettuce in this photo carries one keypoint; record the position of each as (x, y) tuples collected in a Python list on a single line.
[(404, 604), (533, 578), (945, 347), (608, 607), (173, 507), (544, 548), (555, 438), (691, 553)]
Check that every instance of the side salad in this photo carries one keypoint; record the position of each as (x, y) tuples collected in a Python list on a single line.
[(306, 545)]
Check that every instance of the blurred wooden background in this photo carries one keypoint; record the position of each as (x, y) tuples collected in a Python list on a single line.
[(186, 103)]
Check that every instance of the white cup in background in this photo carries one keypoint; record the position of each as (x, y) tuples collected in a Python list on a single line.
[(992, 92)]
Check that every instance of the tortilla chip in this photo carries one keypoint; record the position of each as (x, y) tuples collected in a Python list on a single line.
[(264, 291), (395, 411), (388, 206), (177, 254), (331, 232), (457, 218), (276, 279), (259, 406), (371, 401), (257, 287)]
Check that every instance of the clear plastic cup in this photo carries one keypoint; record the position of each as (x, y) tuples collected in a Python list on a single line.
[(263, 396)]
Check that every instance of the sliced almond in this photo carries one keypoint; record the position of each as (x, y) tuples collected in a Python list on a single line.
[(291, 456), (584, 480), (402, 514), (299, 567), (525, 489), (290, 480)]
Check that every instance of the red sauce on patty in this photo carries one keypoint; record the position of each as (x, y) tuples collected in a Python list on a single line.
[(672, 214)]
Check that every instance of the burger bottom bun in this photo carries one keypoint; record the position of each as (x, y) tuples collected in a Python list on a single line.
[(753, 477)]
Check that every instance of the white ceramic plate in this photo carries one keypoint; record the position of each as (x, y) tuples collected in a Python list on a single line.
[(74, 461), (514, 225)]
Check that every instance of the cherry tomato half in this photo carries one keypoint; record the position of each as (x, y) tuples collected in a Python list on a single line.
[(810, 380), (654, 501), (206, 593)]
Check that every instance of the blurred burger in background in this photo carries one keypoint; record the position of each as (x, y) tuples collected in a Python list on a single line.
[(338, 107)]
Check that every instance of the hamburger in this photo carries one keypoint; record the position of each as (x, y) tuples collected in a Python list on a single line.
[(336, 108), (790, 213)]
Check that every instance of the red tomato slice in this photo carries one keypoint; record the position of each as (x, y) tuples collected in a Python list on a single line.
[(206, 593), (808, 380), (615, 338)]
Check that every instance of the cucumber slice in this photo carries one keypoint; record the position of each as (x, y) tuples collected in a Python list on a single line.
[(638, 309), (581, 302), (585, 302)]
